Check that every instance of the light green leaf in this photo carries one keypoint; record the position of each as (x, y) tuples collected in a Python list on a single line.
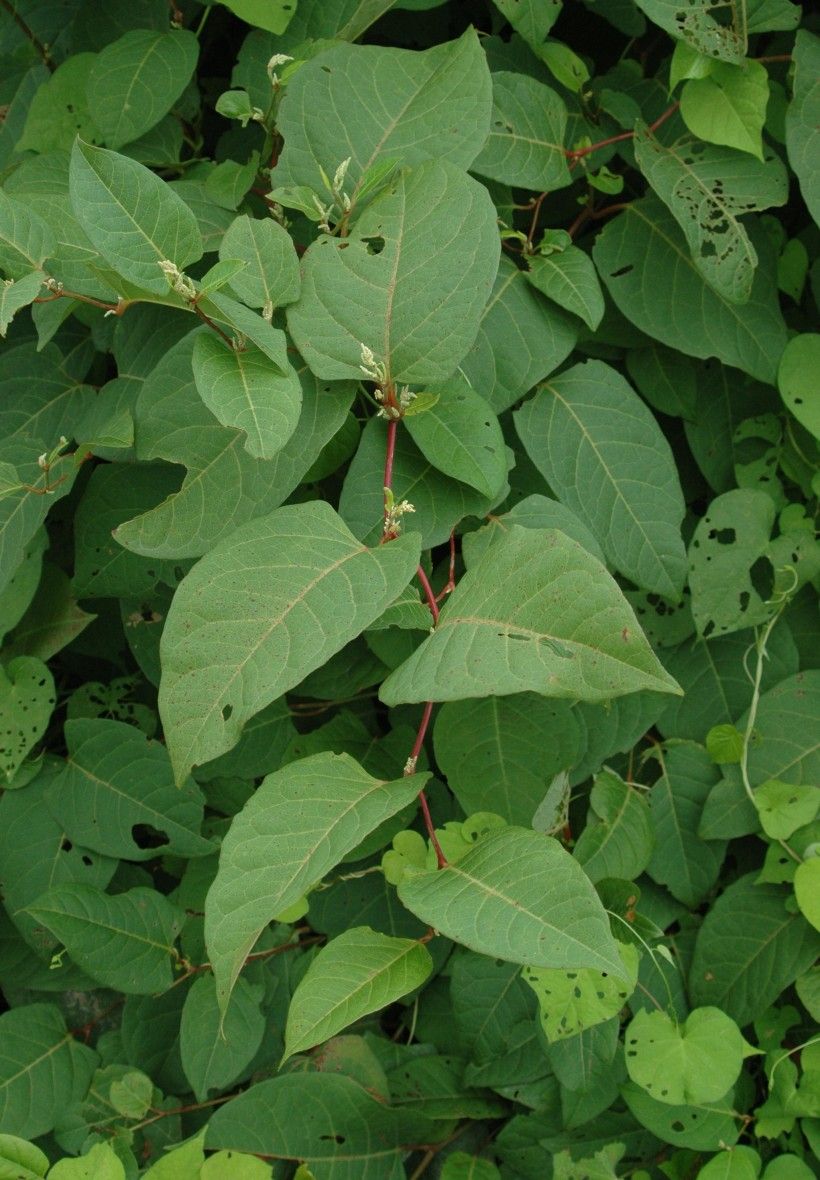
[(749, 949), (136, 80), (125, 941), (16, 295), (803, 118), (724, 744), (707, 189), (807, 890), (797, 380), (519, 896), (26, 240), (27, 698), (271, 275), (533, 512), (729, 106), (643, 258), (101, 1162), (264, 608), (20, 1160), (573, 635), (531, 19), (115, 782), (358, 972), (43, 1069), (60, 111), (224, 486), (363, 289), (501, 753), (696, 1061), (233, 1165), (571, 1001), (131, 216), (132, 1093), (461, 1166), (374, 103), (706, 1126), (617, 840), (460, 436), (273, 15), (294, 829), (215, 1046), (785, 807), (245, 390), (736, 1163), (569, 279), (521, 338), (186, 1160), (585, 431), (702, 25), (525, 146), (682, 860)]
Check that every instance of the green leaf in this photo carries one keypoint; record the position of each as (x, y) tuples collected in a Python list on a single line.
[(271, 275), (784, 807), (461, 1166), (20, 1160), (26, 240), (501, 753), (618, 838), (573, 635), (295, 828), (802, 119), (644, 261), (736, 1163), (362, 290), (807, 890), (137, 79), (359, 972), (702, 26), (569, 279), (115, 784), (571, 1001), (101, 1162), (519, 896), (749, 949), (533, 512), (124, 942), (525, 146), (696, 1061), (131, 216), (60, 110), (263, 609), (373, 103), (16, 295), (186, 1160), (666, 379), (216, 1047), (584, 430), (707, 189), (273, 15), (43, 1069), (706, 1126), (460, 436), (799, 361), (531, 19), (244, 389), (233, 1165), (724, 744), (682, 860), (729, 106), (521, 339), (27, 698)]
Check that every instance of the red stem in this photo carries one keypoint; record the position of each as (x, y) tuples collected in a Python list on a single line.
[(428, 594), (387, 484), (578, 153)]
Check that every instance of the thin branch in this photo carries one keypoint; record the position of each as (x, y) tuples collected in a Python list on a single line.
[(428, 594), (29, 34), (118, 308), (206, 319), (576, 154)]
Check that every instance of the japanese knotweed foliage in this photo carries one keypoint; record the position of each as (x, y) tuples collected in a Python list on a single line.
[(409, 673)]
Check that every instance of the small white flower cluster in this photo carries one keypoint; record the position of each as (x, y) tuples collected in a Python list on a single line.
[(376, 371), (336, 189), (394, 511), (278, 59), (178, 280)]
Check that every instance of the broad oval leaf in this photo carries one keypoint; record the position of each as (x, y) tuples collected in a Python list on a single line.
[(243, 388), (520, 896), (132, 217), (460, 435), (26, 241), (571, 633), (268, 605), (27, 697), (701, 25), (525, 146), (603, 453), (271, 276), (696, 1061), (300, 823), (364, 289), (803, 118), (571, 1001), (569, 279), (617, 840), (215, 1047), (357, 973)]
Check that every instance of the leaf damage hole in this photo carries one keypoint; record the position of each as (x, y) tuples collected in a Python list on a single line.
[(146, 836), (374, 245)]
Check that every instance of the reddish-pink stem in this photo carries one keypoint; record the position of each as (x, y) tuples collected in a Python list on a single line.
[(389, 453), (578, 153), (428, 593)]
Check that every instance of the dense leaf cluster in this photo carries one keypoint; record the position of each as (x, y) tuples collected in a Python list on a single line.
[(409, 674)]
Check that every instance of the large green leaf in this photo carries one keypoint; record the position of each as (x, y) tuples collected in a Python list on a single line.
[(27, 699), (137, 79), (274, 15), (357, 973), (117, 787), (705, 1126), (224, 485), (131, 216), (517, 895), (363, 290), (271, 275), (696, 1061), (802, 118), (794, 379), (26, 241), (243, 388), (728, 106), (43, 1069), (373, 103), (571, 1001), (617, 840), (264, 608), (460, 436), (603, 453), (125, 941), (501, 753), (570, 634), (749, 948), (216, 1047), (707, 189), (644, 260), (327, 1120), (59, 111), (294, 829), (531, 19), (701, 25), (569, 279), (525, 146)]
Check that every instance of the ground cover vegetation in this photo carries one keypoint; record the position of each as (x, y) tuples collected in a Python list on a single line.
[(409, 673)]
